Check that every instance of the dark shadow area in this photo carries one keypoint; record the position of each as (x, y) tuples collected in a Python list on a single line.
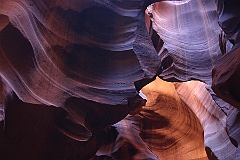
[(210, 154), (234, 142), (93, 115), (30, 133), (96, 22), (82, 63), (233, 84), (167, 62), (157, 41), (17, 49)]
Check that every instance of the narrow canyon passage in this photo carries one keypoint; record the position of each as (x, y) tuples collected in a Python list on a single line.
[(119, 79)]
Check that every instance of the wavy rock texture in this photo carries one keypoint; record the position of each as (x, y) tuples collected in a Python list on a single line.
[(176, 123), (190, 33), (233, 128), (70, 72), (81, 56), (229, 19), (226, 77), (211, 117), (226, 71), (161, 130), (77, 50), (167, 130)]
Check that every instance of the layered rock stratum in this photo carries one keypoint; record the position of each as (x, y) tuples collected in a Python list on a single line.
[(119, 79)]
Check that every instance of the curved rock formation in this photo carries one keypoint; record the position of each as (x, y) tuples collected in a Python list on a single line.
[(161, 130), (76, 50), (169, 133), (226, 71), (212, 118), (82, 56), (190, 33), (72, 77)]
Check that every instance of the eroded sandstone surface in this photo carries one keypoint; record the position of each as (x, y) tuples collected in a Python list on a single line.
[(119, 79)]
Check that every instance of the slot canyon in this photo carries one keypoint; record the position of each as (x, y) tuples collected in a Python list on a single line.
[(119, 79)]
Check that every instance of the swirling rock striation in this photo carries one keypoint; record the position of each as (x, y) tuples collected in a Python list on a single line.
[(81, 56), (190, 33), (161, 130), (70, 72), (226, 70), (91, 50), (212, 118)]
